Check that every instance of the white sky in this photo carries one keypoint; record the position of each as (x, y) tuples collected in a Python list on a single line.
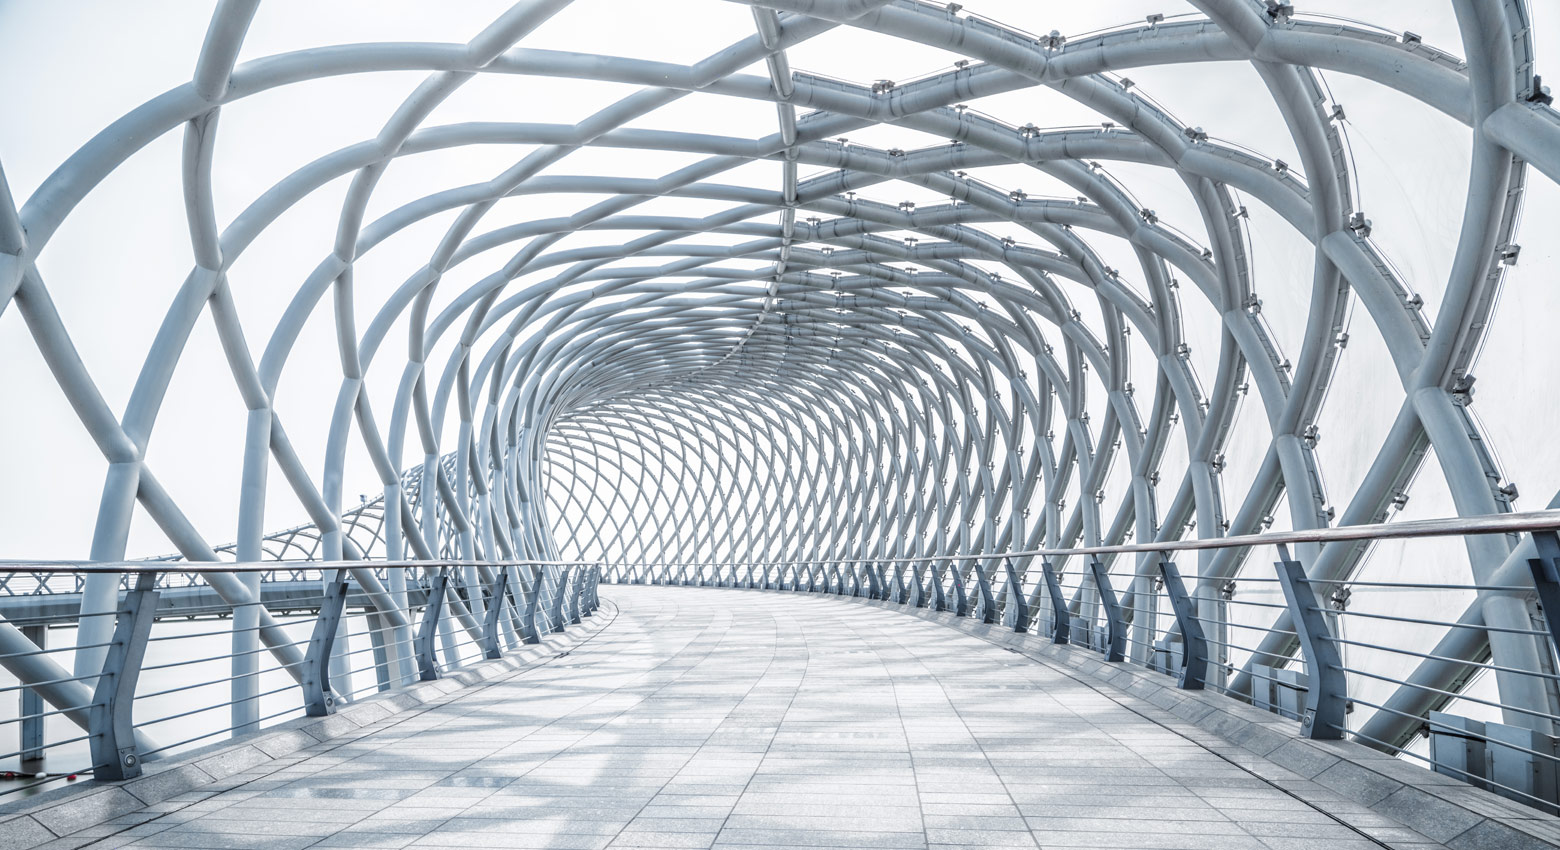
[(69, 68)]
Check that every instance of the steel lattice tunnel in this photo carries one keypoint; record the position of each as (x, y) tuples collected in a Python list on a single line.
[(817, 372)]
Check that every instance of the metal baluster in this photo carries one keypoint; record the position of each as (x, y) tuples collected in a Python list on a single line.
[(1115, 628), (318, 700), (111, 720), (1194, 655), (1546, 577), (556, 615), (574, 595), (427, 662), (1061, 629), (495, 608), (988, 605), (1325, 700), (939, 599), (1019, 602)]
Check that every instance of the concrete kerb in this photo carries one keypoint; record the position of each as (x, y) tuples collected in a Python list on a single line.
[(61, 812)]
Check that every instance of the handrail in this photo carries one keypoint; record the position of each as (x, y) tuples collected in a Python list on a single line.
[(198, 567), (1509, 523)]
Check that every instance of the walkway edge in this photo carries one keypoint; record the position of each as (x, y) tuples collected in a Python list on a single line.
[(65, 812), (1441, 808)]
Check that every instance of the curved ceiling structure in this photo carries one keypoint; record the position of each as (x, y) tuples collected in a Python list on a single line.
[(811, 373)]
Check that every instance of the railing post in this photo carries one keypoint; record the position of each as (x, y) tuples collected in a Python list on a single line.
[(988, 605), (433, 605), (961, 600), (532, 602), (875, 574), (934, 581), (574, 596), (896, 585), (1061, 629), (1325, 700), (111, 719), (1016, 593), (1546, 577), (490, 647), (1115, 629), (512, 624), (557, 599), (1194, 655), (317, 698)]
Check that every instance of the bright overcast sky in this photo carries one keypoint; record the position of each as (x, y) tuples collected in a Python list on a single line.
[(68, 68)]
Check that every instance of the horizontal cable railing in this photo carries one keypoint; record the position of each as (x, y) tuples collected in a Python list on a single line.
[(1409, 667), (186, 662)]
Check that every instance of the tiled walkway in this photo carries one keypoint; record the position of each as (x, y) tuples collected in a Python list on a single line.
[(726, 718)]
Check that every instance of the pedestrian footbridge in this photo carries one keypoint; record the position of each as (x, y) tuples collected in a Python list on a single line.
[(788, 423)]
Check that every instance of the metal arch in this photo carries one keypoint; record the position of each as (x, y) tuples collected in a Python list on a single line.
[(820, 403)]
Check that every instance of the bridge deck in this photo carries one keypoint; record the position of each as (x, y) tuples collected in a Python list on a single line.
[(720, 718)]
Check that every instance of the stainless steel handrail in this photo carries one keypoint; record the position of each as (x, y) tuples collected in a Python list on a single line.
[(197, 567), (1510, 523)]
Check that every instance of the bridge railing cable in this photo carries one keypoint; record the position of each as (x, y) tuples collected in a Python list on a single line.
[(187, 666)]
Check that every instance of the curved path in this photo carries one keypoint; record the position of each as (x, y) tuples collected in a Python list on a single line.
[(714, 718)]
